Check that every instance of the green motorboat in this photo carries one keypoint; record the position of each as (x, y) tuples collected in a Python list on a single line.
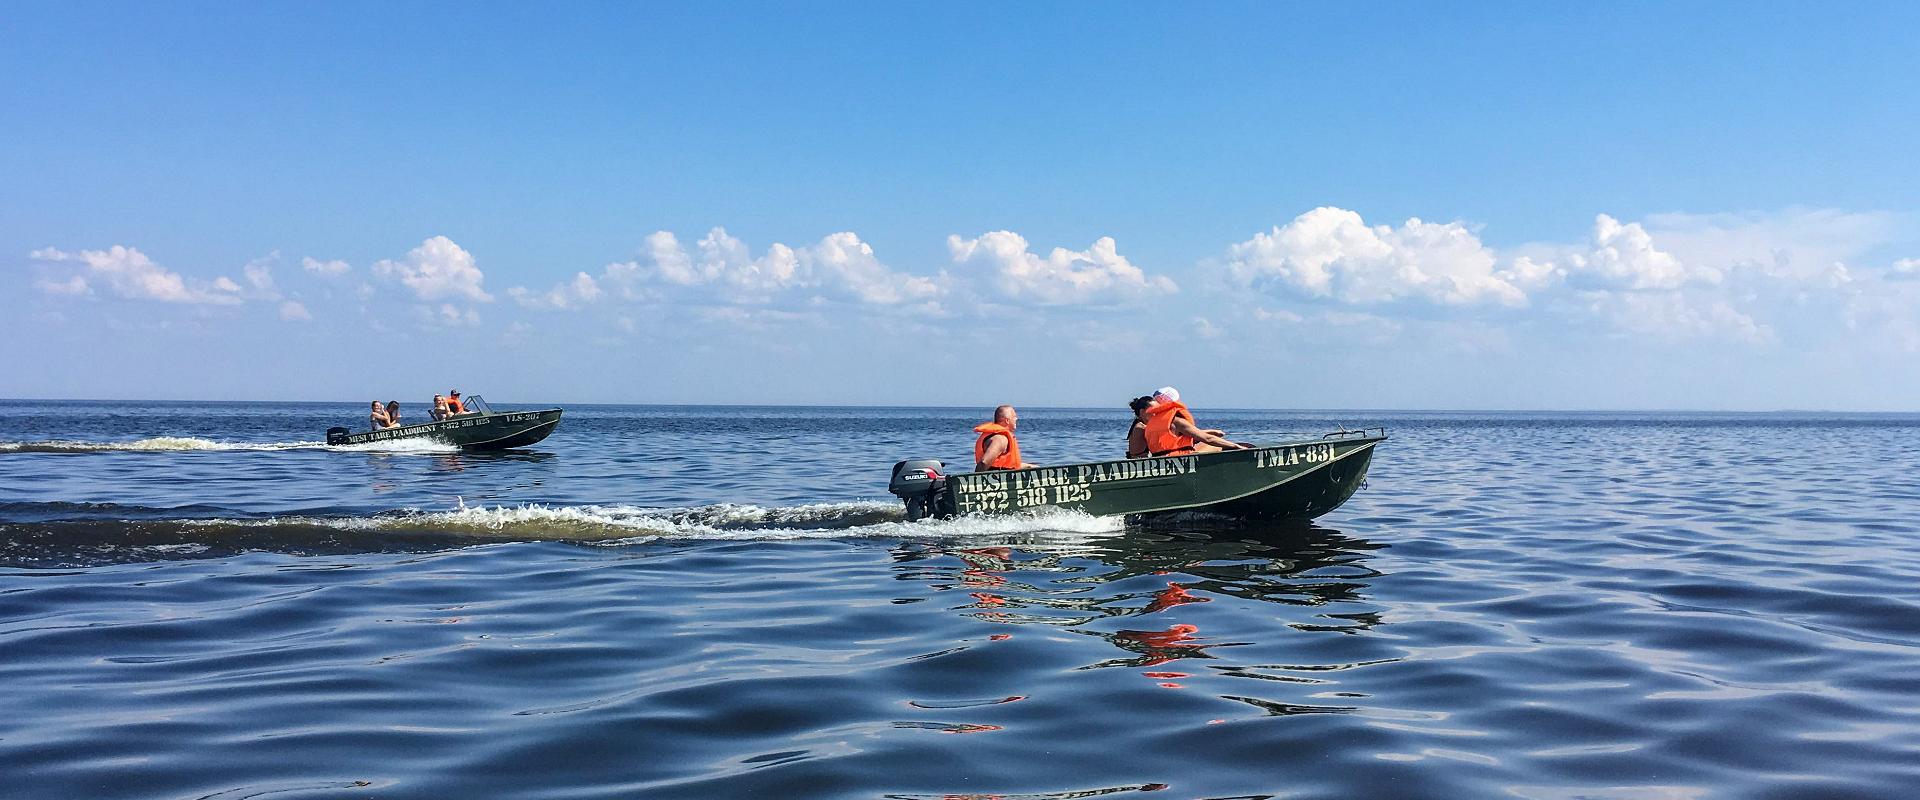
[(1299, 479), (481, 428)]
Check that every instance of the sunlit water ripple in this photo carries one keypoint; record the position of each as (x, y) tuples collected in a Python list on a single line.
[(201, 601)]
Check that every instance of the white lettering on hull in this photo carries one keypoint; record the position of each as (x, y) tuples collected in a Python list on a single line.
[(1000, 491)]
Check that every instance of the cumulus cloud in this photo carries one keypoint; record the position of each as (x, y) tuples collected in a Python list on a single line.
[(329, 269), (1669, 276), (1332, 252), (435, 270), (1098, 275), (294, 311), (127, 272), (1624, 255), (720, 268), (583, 289)]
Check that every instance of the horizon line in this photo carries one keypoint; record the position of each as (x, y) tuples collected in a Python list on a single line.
[(1389, 409)]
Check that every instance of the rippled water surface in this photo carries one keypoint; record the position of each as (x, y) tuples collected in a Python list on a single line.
[(201, 601)]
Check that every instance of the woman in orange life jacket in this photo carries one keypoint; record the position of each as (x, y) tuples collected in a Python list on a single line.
[(997, 448), (454, 406), (1171, 431)]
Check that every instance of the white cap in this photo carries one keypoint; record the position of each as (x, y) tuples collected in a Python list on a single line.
[(1168, 393)]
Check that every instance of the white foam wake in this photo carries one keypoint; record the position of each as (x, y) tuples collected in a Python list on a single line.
[(192, 444), (622, 524)]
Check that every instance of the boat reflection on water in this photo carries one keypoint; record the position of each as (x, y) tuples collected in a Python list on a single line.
[(1149, 590)]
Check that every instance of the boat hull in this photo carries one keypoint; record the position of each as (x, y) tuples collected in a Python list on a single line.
[(1291, 480), (495, 431)]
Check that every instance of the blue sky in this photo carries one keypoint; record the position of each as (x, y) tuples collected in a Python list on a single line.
[(1389, 206)]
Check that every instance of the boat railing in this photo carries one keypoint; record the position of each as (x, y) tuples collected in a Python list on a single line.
[(1357, 433)]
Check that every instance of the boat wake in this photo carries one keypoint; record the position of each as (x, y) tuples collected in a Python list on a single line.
[(79, 539), (165, 444)]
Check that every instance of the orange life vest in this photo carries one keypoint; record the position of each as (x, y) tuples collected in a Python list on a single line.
[(988, 430), (1161, 440), (454, 406)]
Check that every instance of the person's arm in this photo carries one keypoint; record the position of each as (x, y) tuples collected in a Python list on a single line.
[(996, 447), (1184, 428)]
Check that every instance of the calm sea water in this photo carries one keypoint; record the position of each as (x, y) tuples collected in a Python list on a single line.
[(200, 601)]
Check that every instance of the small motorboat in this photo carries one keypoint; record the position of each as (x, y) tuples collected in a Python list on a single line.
[(481, 428), (1299, 479)]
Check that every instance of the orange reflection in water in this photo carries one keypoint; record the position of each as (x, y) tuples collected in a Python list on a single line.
[(1160, 647), (1173, 595)]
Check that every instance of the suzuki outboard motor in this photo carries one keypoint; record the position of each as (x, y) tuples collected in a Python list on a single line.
[(922, 483), (337, 435)]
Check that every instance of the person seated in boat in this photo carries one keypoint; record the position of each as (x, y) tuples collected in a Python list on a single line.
[(393, 413), (1137, 433), (997, 448), (454, 406), (440, 411), (1172, 431), (377, 417)]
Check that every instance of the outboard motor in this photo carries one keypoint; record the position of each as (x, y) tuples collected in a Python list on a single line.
[(337, 435), (922, 483)]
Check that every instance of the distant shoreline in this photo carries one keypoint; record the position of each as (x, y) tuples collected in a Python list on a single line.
[(1033, 407)]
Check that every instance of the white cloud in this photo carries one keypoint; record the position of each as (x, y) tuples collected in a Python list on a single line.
[(446, 315), (1886, 318), (130, 273), (760, 319), (1098, 275), (1624, 256), (258, 274), (843, 261), (583, 289), (437, 269), (73, 285), (1796, 244), (1676, 315), (722, 269), (329, 269), (1279, 315), (1670, 276), (294, 311), (1332, 252)]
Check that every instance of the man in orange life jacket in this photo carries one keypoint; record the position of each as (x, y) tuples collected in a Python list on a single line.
[(1171, 430), (997, 448)]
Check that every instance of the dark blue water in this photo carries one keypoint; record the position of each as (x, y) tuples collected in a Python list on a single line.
[(720, 602)]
